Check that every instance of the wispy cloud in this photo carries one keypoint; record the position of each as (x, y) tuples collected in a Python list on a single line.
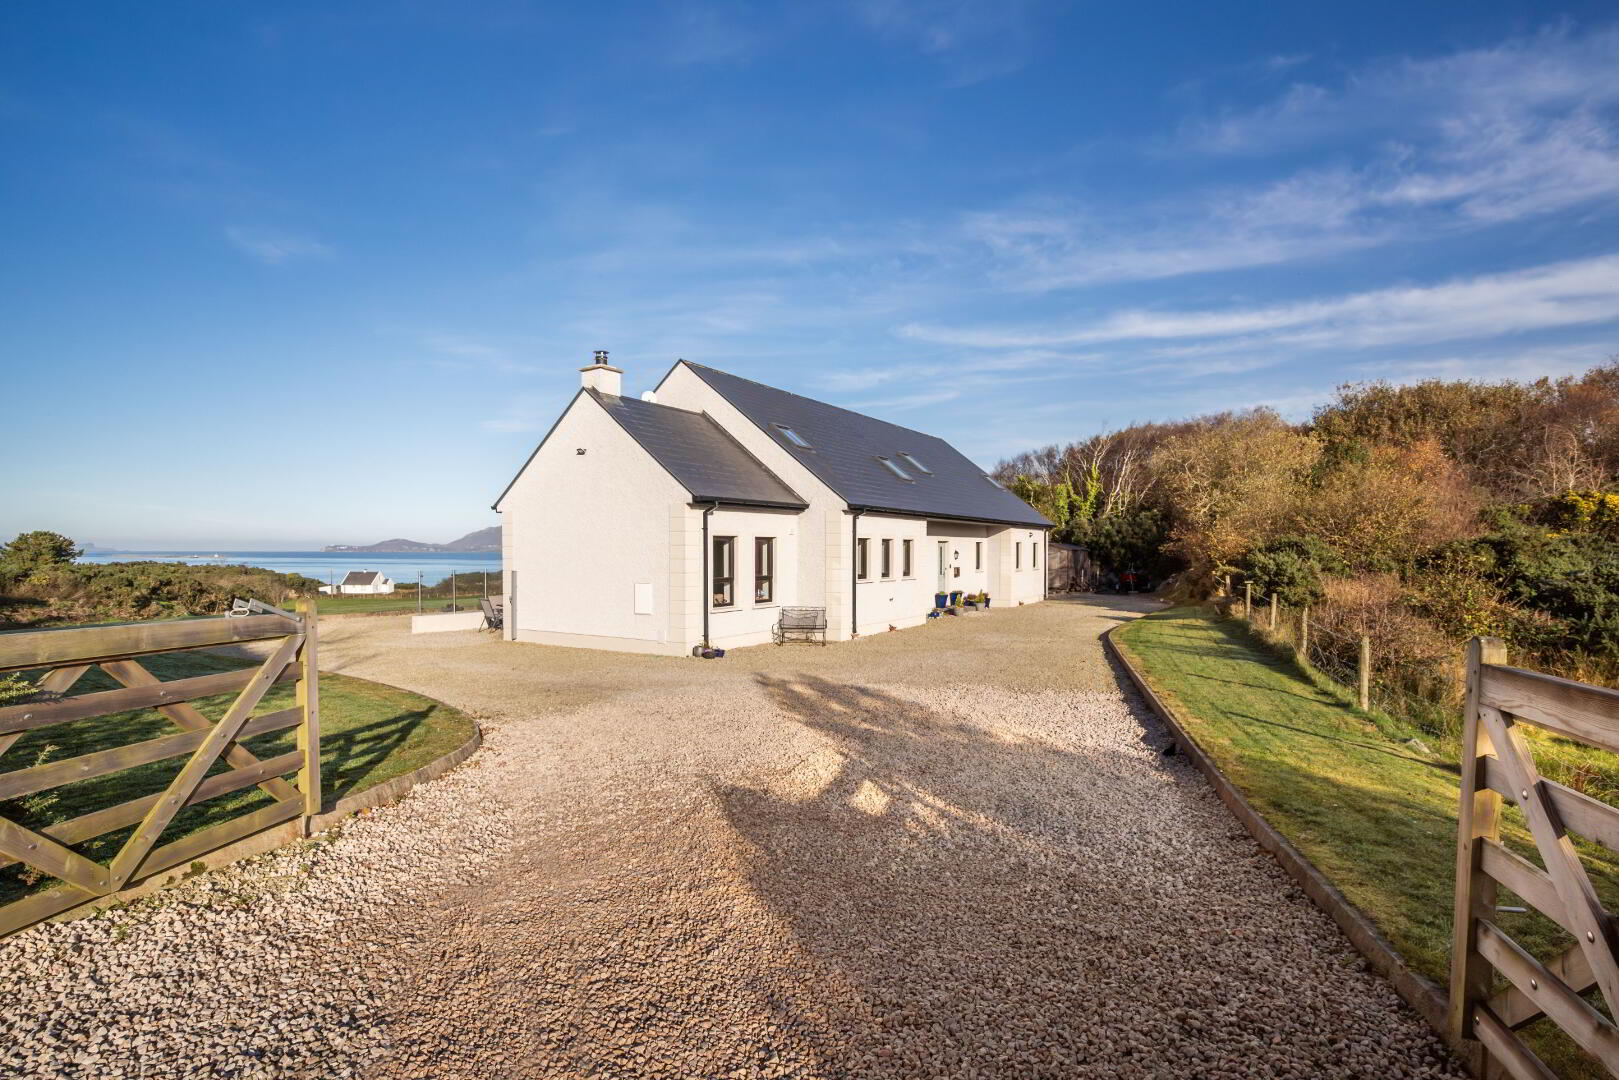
[(1584, 291), (275, 247), (975, 39), (1441, 145)]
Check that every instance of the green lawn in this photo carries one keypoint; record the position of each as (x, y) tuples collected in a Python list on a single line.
[(1377, 815), (400, 602), (370, 733)]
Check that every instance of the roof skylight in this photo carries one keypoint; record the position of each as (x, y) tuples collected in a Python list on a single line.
[(895, 469), (793, 437), (915, 464)]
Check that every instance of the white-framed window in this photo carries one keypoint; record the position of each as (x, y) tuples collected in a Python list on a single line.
[(905, 555), (764, 569), (978, 555), (910, 459), (793, 437), (888, 463), (862, 559), (1034, 554), (723, 572), (1017, 555), (887, 561)]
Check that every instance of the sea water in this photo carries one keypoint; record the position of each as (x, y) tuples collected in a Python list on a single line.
[(401, 566)]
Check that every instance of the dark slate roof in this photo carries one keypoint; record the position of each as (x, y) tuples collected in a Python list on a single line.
[(846, 446), (360, 577), (699, 454)]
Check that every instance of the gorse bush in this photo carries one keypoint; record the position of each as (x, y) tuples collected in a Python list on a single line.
[(38, 586)]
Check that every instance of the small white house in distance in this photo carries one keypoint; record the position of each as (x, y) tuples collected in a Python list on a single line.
[(360, 583), (693, 514)]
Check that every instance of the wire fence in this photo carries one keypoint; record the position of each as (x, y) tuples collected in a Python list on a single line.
[(1373, 673)]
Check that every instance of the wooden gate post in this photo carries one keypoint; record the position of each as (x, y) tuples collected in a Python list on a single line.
[(1470, 973), (308, 696)]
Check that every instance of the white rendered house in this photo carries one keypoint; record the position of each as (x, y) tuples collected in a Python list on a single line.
[(361, 583), (693, 514)]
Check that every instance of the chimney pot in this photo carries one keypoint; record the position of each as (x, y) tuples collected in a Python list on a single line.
[(602, 376)]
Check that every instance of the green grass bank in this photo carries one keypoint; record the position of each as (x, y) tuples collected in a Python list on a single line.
[(1372, 809)]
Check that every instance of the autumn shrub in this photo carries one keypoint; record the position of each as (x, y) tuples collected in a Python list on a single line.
[(1380, 512)]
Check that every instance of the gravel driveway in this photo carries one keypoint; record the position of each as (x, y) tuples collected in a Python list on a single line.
[(953, 851)]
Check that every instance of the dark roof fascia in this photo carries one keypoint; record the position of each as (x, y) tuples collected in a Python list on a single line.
[(495, 506), (950, 517), (596, 396), (702, 501)]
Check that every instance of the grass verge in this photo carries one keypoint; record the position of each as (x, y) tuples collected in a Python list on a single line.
[(1374, 811), (370, 733), (394, 603)]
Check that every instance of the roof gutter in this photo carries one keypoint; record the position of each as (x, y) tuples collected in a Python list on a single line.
[(950, 517)]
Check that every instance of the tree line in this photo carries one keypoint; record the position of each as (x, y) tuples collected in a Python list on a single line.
[(1428, 512)]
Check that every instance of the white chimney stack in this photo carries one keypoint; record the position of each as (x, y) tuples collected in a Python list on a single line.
[(602, 376)]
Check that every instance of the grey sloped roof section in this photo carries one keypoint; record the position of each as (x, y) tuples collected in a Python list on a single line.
[(360, 577), (699, 454), (846, 446)]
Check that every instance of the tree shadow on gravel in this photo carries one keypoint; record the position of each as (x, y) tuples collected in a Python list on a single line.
[(987, 905)]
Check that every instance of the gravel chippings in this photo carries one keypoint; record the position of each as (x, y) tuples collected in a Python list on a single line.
[(949, 852)]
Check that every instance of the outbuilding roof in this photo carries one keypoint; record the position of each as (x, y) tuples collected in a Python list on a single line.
[(360, 577), (699, 454), (870, 463)]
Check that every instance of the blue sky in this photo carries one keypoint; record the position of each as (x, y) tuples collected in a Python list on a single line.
[(307, 273)]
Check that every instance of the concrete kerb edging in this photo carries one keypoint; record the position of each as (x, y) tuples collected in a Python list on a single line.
[(259, 843), (1430, 1002)]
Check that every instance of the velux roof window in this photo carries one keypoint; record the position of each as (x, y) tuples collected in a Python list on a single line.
[(793, 437), (915, 464), (895, 469)]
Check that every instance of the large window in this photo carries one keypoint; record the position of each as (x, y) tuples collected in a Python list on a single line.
[(764, 569), (862, 559), (905, 558), (723, 570), (888, 558)]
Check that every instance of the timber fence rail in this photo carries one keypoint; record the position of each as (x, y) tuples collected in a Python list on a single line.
[(1376, 675), (1498, 766), (60, 658)]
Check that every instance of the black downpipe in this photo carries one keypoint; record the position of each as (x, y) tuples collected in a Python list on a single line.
[(707, 586), (854, 576)]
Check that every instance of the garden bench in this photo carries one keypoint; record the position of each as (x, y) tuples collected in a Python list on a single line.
[(801, 624)]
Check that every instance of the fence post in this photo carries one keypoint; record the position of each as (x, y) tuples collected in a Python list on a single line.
[(1248, 601), (308, 697), (1470, 973), (1304, 632), (1364, 670), (1273, 611)]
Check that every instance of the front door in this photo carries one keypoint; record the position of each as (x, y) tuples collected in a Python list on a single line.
[(944, 566)]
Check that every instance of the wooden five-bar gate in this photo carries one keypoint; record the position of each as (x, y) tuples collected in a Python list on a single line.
[(63, 657), (1497, 765)]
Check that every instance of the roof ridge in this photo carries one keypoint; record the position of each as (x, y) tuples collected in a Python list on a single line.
[(813, 401)]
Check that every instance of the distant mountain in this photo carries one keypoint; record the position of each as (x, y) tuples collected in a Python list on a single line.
[(481, 540)]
